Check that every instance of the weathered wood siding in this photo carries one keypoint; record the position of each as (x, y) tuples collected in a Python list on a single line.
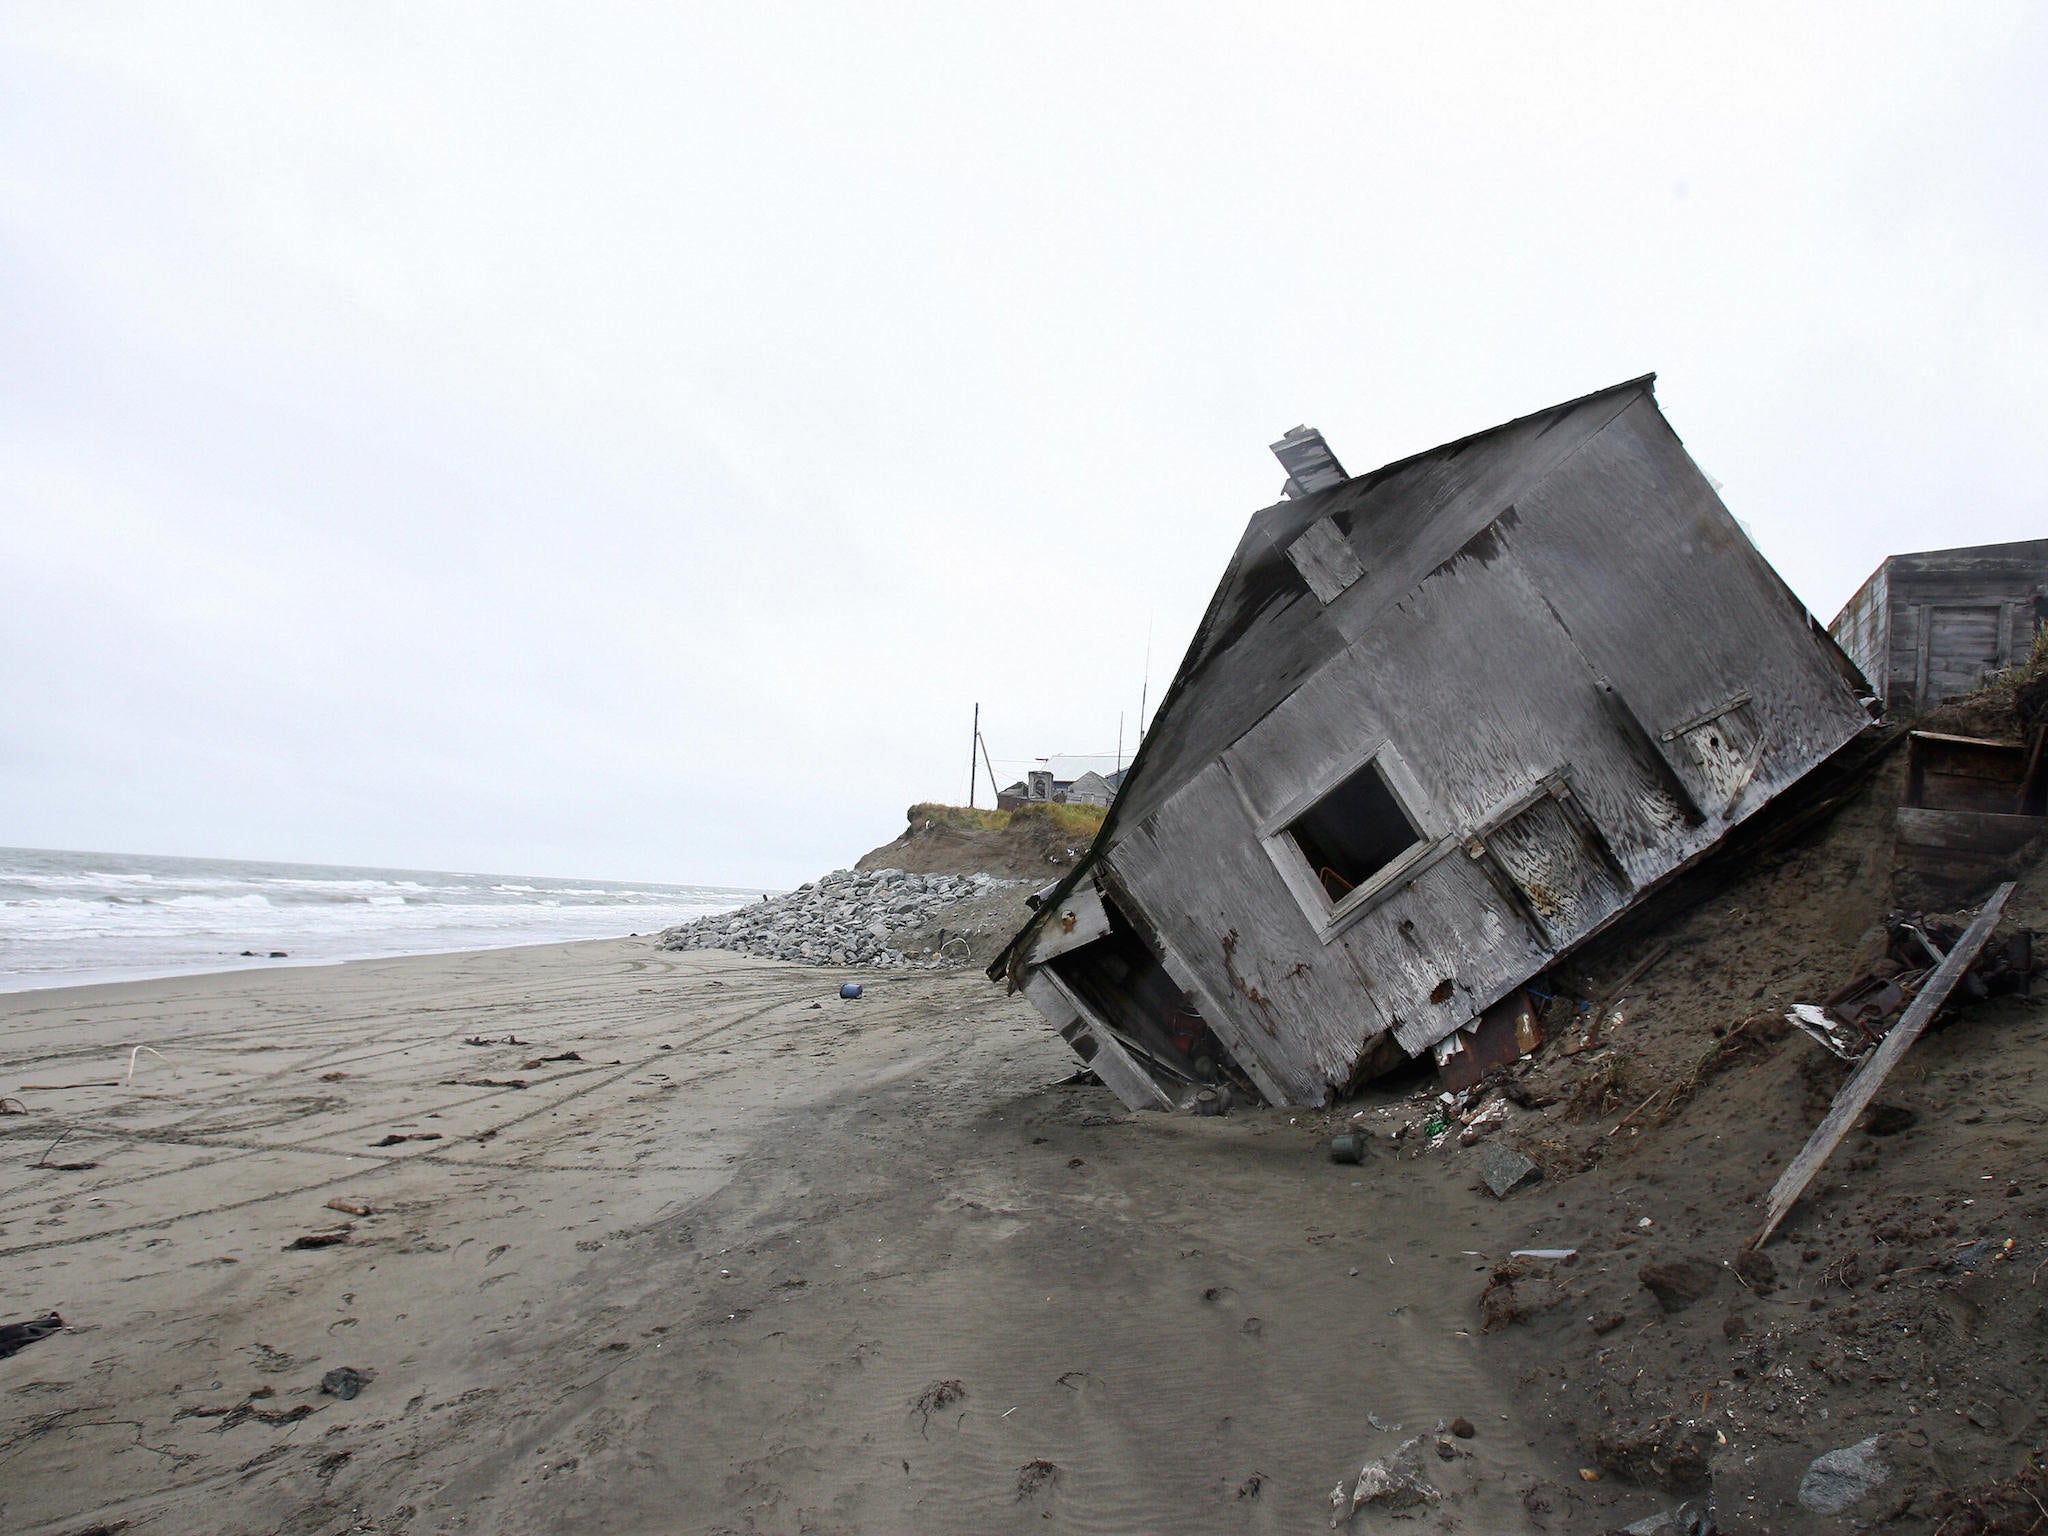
[(1675, 607), (1584, 710), (1863, 629)]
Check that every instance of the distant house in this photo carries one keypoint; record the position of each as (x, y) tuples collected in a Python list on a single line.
[(1040, 786), (1932, 626), (1091, 789), (1440, 724)]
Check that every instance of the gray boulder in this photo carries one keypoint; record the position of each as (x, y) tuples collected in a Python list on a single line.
[(1838, 1479)]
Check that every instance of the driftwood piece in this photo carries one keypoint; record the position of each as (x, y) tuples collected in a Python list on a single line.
[(1857, 1093), (1635, 973)]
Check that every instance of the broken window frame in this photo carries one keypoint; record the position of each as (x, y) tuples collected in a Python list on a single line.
[(1330, 916)]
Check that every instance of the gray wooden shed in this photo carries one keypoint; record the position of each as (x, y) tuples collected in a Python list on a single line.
[(1932, 626), (1440, 723)]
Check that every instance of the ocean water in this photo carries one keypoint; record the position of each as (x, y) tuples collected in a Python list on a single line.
[(68, 918)]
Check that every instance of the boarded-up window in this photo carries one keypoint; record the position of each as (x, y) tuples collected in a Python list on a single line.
[(1568, 886), (1354, 832), (1962, 649)]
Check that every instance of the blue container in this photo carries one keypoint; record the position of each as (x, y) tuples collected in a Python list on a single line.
[(850, 990)]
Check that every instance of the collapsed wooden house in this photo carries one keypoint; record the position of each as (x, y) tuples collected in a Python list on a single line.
[(1440, 723), (1933, 625)]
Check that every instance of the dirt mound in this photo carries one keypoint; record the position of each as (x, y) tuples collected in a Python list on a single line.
[(1037, 842), (1901, 1299)]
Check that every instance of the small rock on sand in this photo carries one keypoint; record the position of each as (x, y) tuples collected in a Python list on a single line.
[(1504, 1171), (1838, 1479), (345, 1381), (1394, 1482)]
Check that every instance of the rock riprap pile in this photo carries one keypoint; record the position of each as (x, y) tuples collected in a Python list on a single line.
[(850, 917)]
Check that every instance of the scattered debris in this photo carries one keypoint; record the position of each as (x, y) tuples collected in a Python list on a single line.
[(243, 1412), (1504, 1171), (483, 1082), (1035, 1477), (1393, 1482), (1505, 1033), (940, 1394), (1347, 1147), (1543, 1253), (15, 1337), (485, 1040), (396, 1137), (1832, 1037), (541, 1061), (350, 1205), (66, 1087), (850, 990), (44, 1160), (135, 1055), (1838, 1479), (1462, 1428), (345, 1381), (1516, 1289), (11, 1106), (328, 1239)]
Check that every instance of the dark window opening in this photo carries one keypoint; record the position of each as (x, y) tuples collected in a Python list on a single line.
[(1123, 981), (1354, 832)]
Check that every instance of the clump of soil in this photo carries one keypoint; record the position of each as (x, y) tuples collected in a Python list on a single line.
[(1515, 1290), (1035, 1477), (937, 1396)]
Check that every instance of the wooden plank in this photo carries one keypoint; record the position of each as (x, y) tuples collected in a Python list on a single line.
[(1919, 655), (1962, 649), (1079, 919), (1857, 1093), (1967, 831)]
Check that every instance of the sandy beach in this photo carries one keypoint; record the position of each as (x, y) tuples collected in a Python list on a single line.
[(696, 1280)]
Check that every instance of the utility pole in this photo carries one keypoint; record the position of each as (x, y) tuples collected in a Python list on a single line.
[(973, 766), (1119, 741), (1145, 688), (995, 786)]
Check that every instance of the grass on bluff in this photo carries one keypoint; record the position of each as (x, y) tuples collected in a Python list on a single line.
[(1073, 820)]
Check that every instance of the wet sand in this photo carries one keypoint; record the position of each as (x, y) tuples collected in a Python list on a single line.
[(694, 1281)]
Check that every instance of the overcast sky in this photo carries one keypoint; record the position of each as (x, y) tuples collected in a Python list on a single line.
[(628, 441)]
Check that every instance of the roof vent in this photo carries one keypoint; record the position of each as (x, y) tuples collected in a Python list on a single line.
[(1310, 465)]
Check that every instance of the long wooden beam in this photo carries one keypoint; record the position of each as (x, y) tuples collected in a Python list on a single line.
[(1857, 1093)]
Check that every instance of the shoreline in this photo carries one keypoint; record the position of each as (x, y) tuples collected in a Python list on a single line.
[(266, 965)]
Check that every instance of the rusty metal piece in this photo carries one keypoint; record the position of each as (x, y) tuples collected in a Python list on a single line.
[(1868, 1005), (1506, 1032)]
